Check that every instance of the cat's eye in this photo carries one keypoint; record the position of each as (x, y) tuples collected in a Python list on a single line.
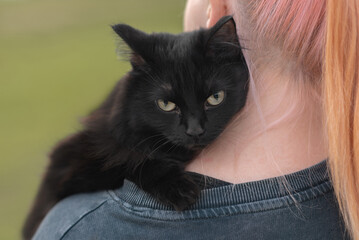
[(165, 105), (216, 98)]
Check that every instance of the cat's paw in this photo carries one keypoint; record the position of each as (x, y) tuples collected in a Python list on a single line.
[(180, 193)]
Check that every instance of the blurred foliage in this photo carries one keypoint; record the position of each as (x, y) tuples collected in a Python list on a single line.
[(57, 62)]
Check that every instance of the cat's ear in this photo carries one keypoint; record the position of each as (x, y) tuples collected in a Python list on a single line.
[(136, 40), (223, 40)]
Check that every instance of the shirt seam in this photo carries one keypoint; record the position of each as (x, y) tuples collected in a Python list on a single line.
[(328, 188), (81, 218), (211, 217), (230, 215)]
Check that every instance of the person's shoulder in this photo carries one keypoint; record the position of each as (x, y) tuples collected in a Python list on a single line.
[(69, 212)]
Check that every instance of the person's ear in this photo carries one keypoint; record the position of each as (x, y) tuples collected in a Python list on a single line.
[(216, 10)]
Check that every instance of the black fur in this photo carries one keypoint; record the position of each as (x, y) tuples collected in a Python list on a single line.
[(129, 136)]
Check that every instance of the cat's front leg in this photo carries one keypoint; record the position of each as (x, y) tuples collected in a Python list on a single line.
[(166, 180)]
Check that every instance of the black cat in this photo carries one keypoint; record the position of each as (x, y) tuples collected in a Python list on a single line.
[(180, 94)]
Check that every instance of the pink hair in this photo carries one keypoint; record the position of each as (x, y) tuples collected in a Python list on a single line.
[(297, 30), (297, 26)]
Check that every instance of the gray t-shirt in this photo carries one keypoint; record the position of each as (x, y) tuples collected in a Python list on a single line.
[(296, 206)]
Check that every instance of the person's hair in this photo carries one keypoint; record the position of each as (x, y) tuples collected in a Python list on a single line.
[(341, 76), (321, 40)]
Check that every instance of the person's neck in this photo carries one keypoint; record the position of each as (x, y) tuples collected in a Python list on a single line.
[(244, 152)]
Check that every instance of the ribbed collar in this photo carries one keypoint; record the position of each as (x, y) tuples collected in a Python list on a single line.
[(308, 183)]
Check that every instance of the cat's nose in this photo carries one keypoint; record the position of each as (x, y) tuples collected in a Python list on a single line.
[(194, 128), (195, 132)]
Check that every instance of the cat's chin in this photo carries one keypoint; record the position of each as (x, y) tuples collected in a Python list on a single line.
[(195, 143), (196, 147)]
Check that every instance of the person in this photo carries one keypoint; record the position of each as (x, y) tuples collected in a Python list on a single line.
[(267, 175)]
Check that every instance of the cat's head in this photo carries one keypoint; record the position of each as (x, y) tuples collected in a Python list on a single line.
[(186, 87)]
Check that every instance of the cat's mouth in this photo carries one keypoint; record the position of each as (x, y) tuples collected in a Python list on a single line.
[(196, 147)]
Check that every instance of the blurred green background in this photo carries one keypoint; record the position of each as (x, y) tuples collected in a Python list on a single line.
[(57, 62)]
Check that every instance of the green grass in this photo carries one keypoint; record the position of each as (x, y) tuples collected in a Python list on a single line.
[(57, 62)]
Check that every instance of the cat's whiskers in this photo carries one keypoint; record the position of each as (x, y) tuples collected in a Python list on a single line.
[(174, 146), (144, 140), (161, 145)]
